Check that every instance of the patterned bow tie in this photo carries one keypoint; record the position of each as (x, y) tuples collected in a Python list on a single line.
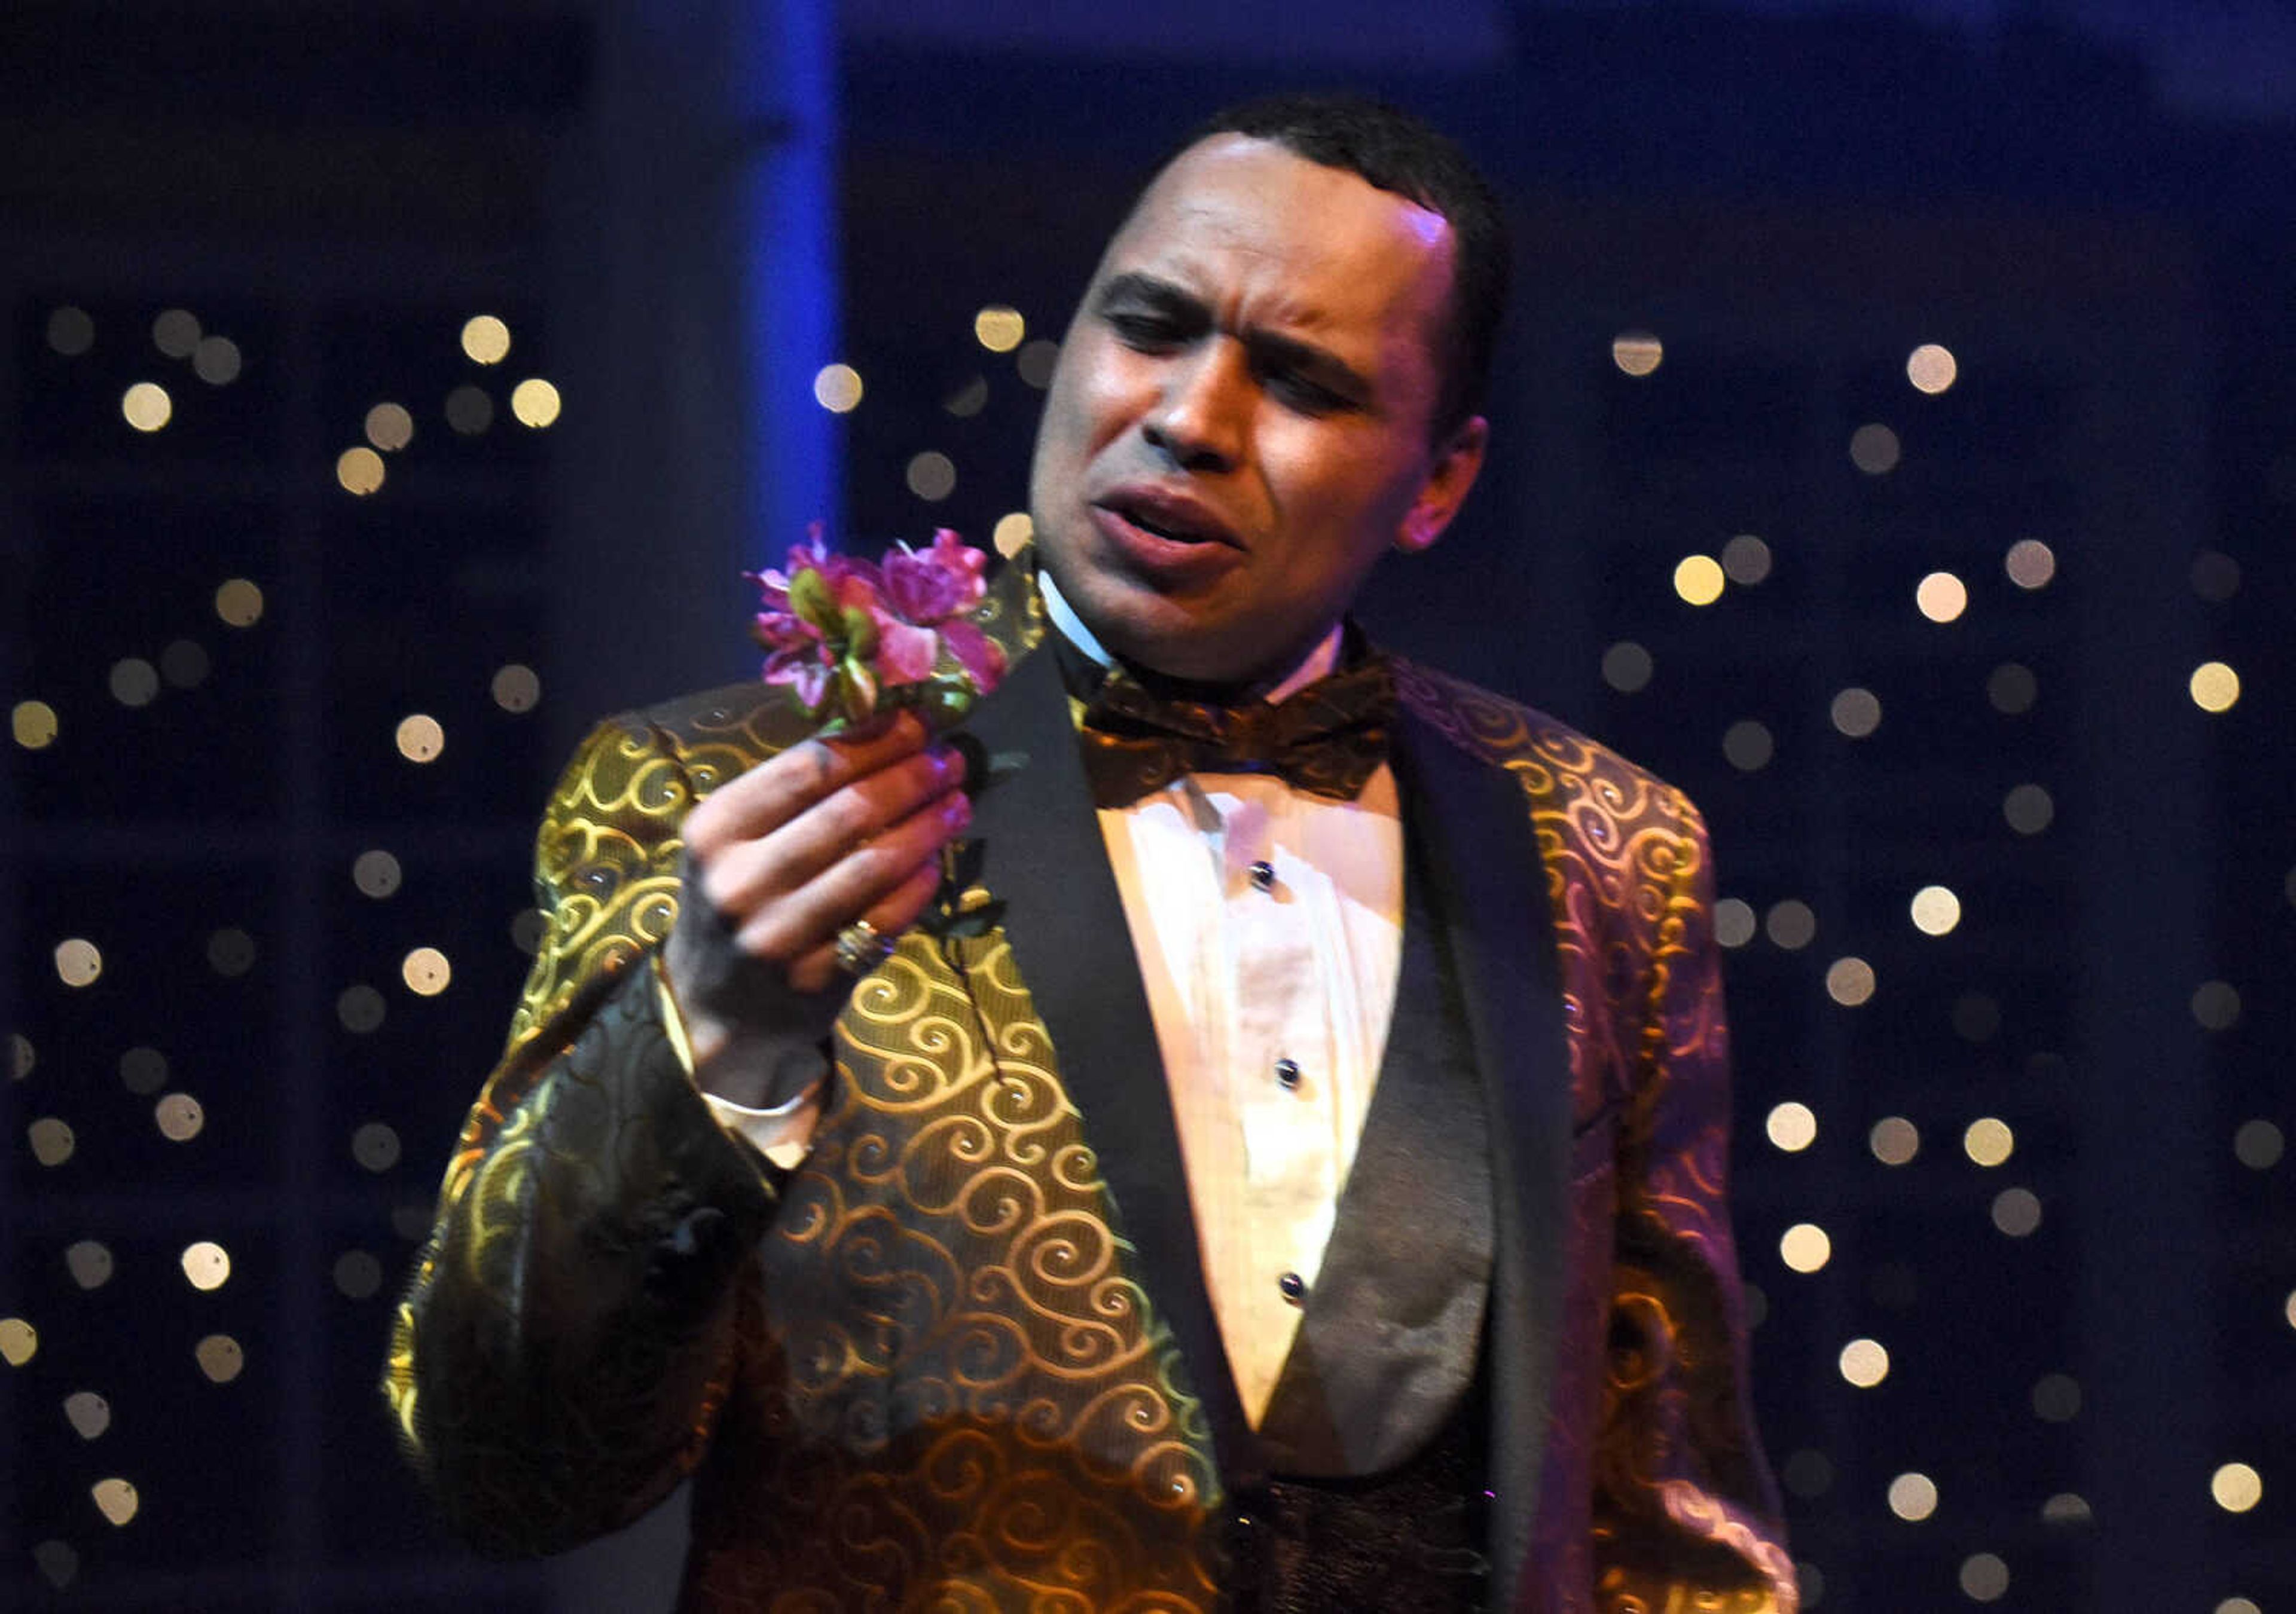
[(1327, 739)]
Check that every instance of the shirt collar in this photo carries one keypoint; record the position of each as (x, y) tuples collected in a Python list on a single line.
[(1318, 662)]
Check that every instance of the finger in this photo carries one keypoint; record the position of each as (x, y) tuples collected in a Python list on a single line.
[(747, 875), (790, 927), (818, 970), (777, 790)]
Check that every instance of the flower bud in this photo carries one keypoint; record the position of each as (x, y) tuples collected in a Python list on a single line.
[(860, 631), (809, 597)]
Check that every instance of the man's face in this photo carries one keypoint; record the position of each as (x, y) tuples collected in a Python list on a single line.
[(1238, 427)]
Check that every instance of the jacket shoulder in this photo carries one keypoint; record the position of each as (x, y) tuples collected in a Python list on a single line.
[(1561, 769)]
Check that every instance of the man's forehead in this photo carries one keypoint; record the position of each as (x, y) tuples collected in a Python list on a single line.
[(1241, 192)]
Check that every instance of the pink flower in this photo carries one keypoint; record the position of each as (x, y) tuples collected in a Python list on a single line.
[(840, 632)]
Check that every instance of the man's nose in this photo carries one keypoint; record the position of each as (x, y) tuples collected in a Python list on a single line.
[(1201, 419)]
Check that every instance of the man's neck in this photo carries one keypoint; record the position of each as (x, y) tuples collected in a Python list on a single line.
[(1322, 658)]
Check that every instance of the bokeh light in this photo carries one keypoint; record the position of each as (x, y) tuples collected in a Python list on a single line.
[(1989, 1141), (837, 388), (420, 738), (2215, 687), (1932, 368), (1746, 560), (359, 470), (1015, 531), (1935, 910), (535, 403), (1874, 449), (1805, 1247), (239, 603), (1791, 924), (1698, 580), (1627, 668), (426, 972), (1894, 1140), (999, 328), (485, 339), (1865, 1363), (146, 406), (1855, 712), (1849, 981), (1984, 1578), (932, 476), (2030, 564), (1913, 1497), (33, 724), (2236, 1488), (1637, 353), (1941, 597), (1791, 1126), (207, 1264), (389, 427)]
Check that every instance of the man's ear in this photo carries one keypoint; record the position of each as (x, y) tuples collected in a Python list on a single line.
[(1448, 479)]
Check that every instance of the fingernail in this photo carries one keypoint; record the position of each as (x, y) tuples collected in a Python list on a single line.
[(957, 810), (948, 764)]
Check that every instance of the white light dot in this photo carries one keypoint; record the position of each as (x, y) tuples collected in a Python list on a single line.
[(33, 724), (485, 339), (534, 403), (1941, 597), (2236, 1488), (1865, 1363), (1637, 353), (79, 961), (1698, 580), (146, 406), (2237, 1605), (1913, 1497), (90, 1264), (999, 328), (426, 972), (1734, 923), (359, 471), (220, 1358), (20, 1341), (1791, 1126), (2215, 687), (70, 331), (115, 1499), (837, 388), (1989, 1141), (1014, 532), (207, 1264), (1932, 368), (1805, 1247), (1935, 910), (420, 738)]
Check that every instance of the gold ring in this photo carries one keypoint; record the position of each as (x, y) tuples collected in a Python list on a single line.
[(860, 948)]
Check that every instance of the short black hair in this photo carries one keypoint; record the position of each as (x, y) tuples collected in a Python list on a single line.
[(1401, 152)]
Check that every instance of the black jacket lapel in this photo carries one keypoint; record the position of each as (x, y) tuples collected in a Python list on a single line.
[(1042, 856), (1474, 823)]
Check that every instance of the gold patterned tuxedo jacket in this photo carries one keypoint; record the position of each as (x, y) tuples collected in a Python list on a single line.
[(961, 1358)]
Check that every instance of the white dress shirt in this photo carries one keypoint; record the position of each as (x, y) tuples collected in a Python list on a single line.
[(1268, 927)]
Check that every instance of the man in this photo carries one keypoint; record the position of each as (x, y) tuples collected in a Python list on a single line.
[(1290, 1182)]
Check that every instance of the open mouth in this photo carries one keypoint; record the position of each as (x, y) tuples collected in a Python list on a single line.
[(1175, 522)]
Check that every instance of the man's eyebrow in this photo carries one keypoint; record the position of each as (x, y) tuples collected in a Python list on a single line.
[(1309, 359), (1138, 286)]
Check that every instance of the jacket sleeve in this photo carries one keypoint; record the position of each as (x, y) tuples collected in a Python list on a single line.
[(566, 1339), (1684, 1513)]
